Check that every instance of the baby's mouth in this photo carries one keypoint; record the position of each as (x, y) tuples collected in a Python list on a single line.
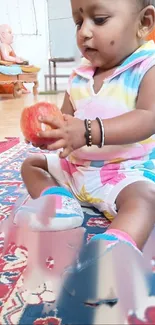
[(90, 50)]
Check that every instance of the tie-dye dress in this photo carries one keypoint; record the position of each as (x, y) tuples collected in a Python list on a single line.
[(96, 176)]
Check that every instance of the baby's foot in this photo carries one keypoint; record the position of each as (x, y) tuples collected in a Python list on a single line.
[(108, 276), (55, 210)]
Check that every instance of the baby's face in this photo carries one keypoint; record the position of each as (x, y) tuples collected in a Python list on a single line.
[(106, 30)]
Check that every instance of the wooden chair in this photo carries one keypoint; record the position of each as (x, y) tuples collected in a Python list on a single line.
[(29, 75), (18, 80), (52, 73)]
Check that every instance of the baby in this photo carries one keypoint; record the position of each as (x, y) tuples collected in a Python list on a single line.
[(106, 141)]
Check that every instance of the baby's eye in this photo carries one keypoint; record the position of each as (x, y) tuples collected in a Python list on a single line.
[(78, 24), (100, 20)]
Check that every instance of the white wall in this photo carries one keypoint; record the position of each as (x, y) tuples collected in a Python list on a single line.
[(29, 21), (62, 34), (61, 28)]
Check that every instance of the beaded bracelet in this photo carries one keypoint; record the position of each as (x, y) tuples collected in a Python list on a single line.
[(102, 131), (88, 135)]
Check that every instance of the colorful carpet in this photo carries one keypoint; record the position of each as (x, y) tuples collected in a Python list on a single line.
[(8, 143), (23, 308)]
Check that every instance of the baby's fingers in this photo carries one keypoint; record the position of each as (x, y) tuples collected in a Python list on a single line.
[(55, 122), (65, 153), (52, 134), (26, 141), (56, 145)]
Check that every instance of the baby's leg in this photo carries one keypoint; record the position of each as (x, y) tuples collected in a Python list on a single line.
[(36, 176), (136, 211), (112, 261), (136, 215), (65, 211)]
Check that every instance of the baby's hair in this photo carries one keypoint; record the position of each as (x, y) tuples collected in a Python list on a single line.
[(145, 3)]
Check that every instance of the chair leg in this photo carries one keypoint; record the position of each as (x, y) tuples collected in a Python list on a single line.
[(17, 91), (46, 88), (35, 88), (55, 78), (50, 79)]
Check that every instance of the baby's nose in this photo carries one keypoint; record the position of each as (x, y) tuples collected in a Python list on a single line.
[(86, 30)]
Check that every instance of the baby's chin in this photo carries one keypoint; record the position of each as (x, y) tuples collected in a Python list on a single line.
[(97, 61), (101, 64)]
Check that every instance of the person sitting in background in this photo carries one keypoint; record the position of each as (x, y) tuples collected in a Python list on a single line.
[(6, 39), (7, 54)]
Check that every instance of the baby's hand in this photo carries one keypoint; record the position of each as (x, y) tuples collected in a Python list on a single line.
[(19, 60), (69, 134), (26, 141), (42, 147)]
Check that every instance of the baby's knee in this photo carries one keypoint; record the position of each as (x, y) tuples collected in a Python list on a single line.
[(151, 193), (34, 161), (148, 199)]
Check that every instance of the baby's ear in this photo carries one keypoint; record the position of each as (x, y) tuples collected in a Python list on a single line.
[(146, 22)]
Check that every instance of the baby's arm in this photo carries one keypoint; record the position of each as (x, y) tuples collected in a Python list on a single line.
[(134, 126), (67, 107)]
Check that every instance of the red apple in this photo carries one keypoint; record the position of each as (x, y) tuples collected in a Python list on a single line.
[(30, 125)]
